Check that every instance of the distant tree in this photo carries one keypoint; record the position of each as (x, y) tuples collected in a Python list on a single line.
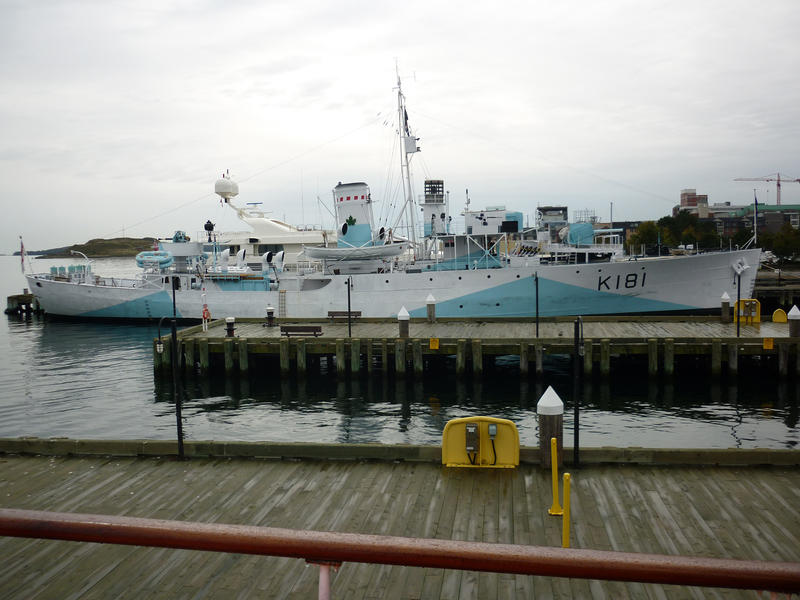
[(786, 243), (646, 234)]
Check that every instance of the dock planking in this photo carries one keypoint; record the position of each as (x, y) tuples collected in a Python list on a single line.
[(472, 342), (730, 512)]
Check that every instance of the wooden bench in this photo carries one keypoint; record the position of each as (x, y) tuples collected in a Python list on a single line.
[(336, 315), (290, 330)]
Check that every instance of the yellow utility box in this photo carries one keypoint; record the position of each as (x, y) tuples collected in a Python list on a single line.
[(480, 442), (749, 310)]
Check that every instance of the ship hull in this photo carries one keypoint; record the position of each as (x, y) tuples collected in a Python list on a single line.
[(662, 285)]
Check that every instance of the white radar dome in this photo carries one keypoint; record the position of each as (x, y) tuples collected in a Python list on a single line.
[(226, 188)]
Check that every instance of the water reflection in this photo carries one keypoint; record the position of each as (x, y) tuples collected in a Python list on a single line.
[(687, 411)]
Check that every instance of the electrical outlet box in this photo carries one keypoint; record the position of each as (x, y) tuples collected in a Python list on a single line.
[(473, 438), (492, 430)]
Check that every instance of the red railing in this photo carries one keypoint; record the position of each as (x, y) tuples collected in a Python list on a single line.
[(330, 547)]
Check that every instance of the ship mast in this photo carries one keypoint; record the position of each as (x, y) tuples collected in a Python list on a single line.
[(408, 146)]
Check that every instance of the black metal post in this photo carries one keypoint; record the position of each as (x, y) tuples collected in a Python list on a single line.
[(738, 310), (536, 283), (176, 395), (175, 387), (576, 372), (349, 316)]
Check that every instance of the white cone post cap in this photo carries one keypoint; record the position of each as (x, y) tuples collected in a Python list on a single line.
[(794, 314), (550, 403), (430, 299), (403, 314), (725, 297), (230, 319)]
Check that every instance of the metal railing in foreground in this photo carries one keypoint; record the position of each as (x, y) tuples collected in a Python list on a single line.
[(328, 548)]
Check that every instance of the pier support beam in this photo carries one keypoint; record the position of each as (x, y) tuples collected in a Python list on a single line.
[(669, 356), (523, 358), (733, 358), (202, 352), (477, 358), (384, 356), (341, 364), (416, 353), (716, 357), (243, 358), (369, 349), (301, 356), (461, 357), (605, 357), (783, 359), (652, 356), (355, 355), (188, 350), (400, 357), (227, 346), (538, 351), (588, 358), (283, 352)]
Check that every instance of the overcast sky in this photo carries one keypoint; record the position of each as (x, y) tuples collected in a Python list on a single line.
[(119, 116)]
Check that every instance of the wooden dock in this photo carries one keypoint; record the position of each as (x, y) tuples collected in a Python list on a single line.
[(726, 512), (369, 345)]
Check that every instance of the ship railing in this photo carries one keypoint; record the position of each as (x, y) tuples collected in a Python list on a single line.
[(331, 549)]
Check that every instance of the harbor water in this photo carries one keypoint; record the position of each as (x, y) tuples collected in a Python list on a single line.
[(92, 380)]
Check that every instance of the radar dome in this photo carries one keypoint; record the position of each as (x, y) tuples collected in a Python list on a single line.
[(226, 188)]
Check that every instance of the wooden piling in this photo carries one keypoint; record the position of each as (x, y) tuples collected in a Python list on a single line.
[(400, 357), (523, 358), (733, 358), (341, 365), (189, 350), (369, 350), (605, 356), (384, 356), (227, 346), (202, 351), (416, 353), (244, 364), (301, 356), (783, 359), (588, 358), (477, 357), (355, 355), (283, 352), (669, 356), (716, 357), (652, 356), (461, 357), (538, 351)]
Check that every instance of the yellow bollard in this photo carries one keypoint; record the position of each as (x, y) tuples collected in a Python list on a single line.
[(565, 518), (556, 508)]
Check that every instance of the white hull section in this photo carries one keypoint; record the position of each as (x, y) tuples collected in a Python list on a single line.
[(689, 283)]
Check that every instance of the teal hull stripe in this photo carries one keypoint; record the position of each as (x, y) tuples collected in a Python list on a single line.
[(518, 299), (148, 307)]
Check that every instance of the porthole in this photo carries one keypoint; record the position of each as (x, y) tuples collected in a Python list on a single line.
[(387, 281), (460, 306)]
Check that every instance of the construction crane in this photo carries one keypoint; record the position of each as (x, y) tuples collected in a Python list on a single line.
[(772, 177)]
